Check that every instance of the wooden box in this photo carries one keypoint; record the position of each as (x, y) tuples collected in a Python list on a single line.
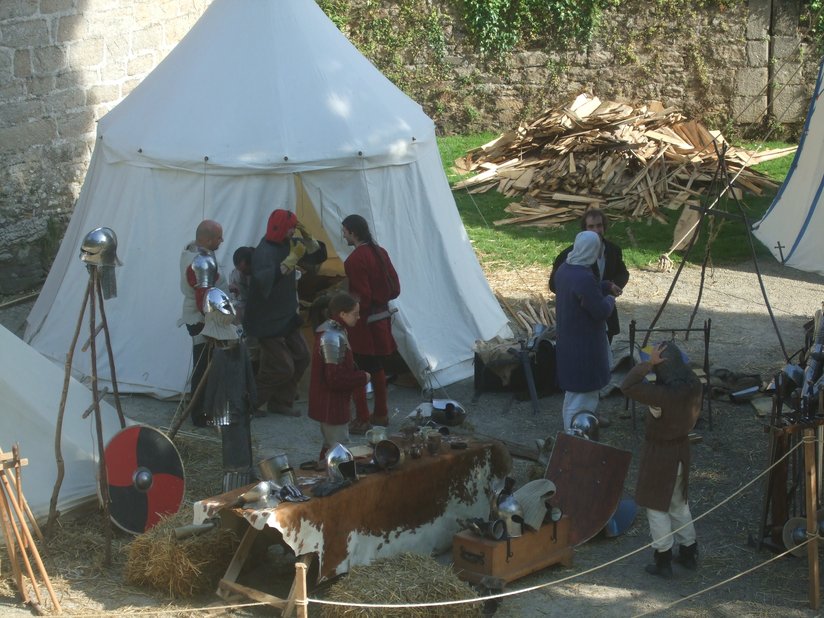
[(475, 557)]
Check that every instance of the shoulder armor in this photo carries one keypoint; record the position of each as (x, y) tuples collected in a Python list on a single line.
[(205, 267), (333, 342)]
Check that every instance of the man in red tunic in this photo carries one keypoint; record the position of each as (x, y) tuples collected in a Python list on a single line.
[(374, 282)]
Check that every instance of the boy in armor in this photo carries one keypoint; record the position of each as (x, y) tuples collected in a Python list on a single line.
[(334, 376)]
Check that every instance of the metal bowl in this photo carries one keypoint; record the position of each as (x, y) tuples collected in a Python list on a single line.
[(387, 454)]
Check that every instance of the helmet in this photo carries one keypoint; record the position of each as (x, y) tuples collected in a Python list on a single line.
[(340, 464), (217, 300), (510, 511), (448, 412), (99, 247), (585, 425), (204, 266)]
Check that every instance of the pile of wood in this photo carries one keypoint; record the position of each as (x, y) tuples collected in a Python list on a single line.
[(628, 161), (528, 313)]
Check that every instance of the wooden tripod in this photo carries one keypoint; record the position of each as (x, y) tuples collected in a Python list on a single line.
[(94, 292)]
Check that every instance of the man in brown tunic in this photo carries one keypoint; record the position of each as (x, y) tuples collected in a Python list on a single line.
[(675, 403)]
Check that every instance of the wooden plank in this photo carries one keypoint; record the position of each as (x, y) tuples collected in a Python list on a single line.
[(524, 180), (225, 586)]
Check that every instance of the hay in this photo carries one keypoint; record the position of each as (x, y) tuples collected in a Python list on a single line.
[(406, 578), (183, 568)]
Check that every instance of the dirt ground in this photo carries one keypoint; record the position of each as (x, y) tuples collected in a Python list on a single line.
[(731, 454)]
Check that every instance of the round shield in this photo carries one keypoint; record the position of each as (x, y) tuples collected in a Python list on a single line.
[(145, 476), (794, 534)]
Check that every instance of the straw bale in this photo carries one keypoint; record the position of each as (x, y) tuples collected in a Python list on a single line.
[(406, 578), (182, 568)]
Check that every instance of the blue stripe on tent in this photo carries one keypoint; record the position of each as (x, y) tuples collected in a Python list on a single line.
[(794, 164)]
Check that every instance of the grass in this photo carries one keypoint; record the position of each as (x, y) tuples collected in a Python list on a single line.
[(642, 241)]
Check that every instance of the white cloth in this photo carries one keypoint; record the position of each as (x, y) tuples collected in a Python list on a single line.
[(585, 250), (662, 524), (575, 402)]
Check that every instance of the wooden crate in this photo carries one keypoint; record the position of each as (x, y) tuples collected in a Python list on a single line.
[(474, 557)]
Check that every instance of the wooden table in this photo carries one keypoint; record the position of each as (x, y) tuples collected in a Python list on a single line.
[(413, 508)]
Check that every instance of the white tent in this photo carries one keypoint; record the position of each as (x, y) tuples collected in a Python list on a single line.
[(795, 219), (30, 391), (264, 104)]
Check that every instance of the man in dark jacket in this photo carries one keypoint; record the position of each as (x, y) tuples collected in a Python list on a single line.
[(663, 474), (272, 312), (609, 267)]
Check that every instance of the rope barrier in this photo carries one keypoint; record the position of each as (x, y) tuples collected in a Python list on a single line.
[(726, 581), (599, 567), (528, 589)]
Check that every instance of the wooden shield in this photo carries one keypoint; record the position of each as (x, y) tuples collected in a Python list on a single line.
[(589, 480), (146, 479)]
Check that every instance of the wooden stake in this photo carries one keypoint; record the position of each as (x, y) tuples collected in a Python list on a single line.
[(11, 548), (812, 521), (17, 485), (58, 427), (23, 540)]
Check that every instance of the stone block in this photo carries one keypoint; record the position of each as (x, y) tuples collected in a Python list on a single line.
[(790, 103), (175, 29), (140, 65), (751, 81), (758, 20), (107, 93), (758, 53), (11, 91), (47, 60), (72, 28), (48, 7), (70, 79), (15, 9), (787, 73), (24, 136), (114, 70), (749, 110), (147, 40), (785, 18), (20, 112), (32, 32), (785, 47), (40, 85), (6, 64), (22, 63), (61, 101), (86, 53), (78, 124)]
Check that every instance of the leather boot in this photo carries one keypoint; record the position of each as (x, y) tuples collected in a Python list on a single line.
[(663, 564), (381, 415), (361, 406), (687, 556)]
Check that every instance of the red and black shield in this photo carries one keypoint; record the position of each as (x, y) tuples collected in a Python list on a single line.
[(145, 475), (589, 481)]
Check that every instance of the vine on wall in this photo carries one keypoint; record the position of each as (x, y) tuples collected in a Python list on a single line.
[(421, 46)]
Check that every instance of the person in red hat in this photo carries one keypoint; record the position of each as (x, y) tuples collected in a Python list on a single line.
[(272, 311)]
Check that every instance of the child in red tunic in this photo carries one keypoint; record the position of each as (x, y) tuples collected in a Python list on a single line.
[(334, 376)]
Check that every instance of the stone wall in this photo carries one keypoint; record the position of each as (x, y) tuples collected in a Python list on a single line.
[(65, 63)]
